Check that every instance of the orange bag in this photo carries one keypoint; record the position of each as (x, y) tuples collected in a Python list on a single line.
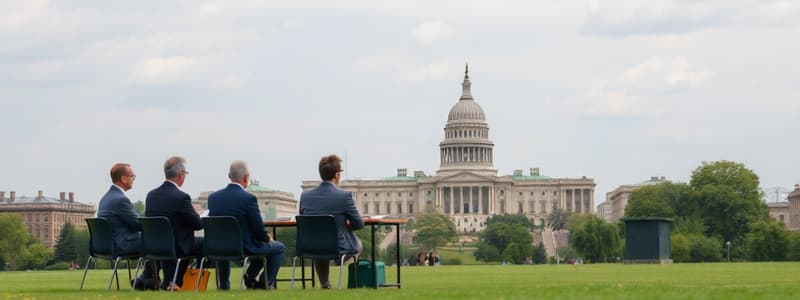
[(190, 279)]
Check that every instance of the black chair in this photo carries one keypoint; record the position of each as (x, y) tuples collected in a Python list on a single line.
[(158, 244), (223, 241), (318, 238), (101, 245)]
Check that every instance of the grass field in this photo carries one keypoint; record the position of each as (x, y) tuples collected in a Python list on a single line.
[(602, 281)]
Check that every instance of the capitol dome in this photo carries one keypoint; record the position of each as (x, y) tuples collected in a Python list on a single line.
[(466, 108)]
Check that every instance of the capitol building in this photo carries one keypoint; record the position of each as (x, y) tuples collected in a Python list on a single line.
[(466, 185)]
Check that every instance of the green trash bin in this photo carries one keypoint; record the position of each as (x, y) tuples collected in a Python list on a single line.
[(365, 274)]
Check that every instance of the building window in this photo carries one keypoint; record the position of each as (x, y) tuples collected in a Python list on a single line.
[(46, 218), (531, 193), (377, 208), (366, 195), (410, 208), (366, 208), (388, 208), (781, 218), (429, 192), (399, 194), (399, 208), (376, 194), (410, 194)]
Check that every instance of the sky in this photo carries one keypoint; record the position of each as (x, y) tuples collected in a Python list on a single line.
[(617, 91)]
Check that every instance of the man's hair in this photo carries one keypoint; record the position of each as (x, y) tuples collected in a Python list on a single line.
[(173, 166), (238, 170), (329, 166), (118, 170)]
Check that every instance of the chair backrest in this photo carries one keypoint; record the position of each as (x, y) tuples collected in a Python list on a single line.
[(101, 237), (317, 236), (158, 240), (223, 238)]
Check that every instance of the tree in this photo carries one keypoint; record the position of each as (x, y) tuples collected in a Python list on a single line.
[(66, 248), (593, 238), (13, 239), (434, 229), (793, 253), (510, 219), (649, 201), (505, 237), (679, 247), (139, 207), (36, 256), (728, 200), (705, 249), (767, 241), (557, 219), (539, 254)]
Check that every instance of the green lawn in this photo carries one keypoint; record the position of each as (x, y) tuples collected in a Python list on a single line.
[(602, 281)]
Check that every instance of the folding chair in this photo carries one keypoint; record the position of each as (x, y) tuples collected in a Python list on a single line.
[(158, 244), (223, 241), (318, 238), (101, 245)]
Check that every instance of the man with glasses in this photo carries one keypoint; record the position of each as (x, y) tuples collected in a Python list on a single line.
[(328, 199), (117, 209), (169, 201)]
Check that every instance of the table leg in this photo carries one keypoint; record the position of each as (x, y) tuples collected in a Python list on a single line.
[(374, 271), (397, 253)]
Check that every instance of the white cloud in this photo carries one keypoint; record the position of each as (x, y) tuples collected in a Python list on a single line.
[(294, 24), (163, 69), (637, 90), (431, 32)]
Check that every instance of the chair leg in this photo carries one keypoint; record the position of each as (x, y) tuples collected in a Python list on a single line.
[(216, 273), (341, 265), (136, 274), (175, 276), (86, 270), (114, 275), (199, 276), (294, 264), (128, 261), (266, 274), (245, 264), (355, 272)]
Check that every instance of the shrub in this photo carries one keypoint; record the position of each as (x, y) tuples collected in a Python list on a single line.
[(62, 265), (451, 261)]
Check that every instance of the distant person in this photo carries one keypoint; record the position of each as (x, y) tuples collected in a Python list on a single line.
[(235, 201), (169, 201), (118, 210), (436, 259), (328, 199)]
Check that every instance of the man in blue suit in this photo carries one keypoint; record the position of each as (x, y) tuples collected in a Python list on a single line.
[(235, 201), (117, 209), (169, 201), (327, 199)]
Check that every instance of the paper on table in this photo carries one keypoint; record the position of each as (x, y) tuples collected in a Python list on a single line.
[(375, 217), (204, 213)]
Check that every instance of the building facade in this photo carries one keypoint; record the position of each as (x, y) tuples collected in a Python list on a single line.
[(467, 186), (780, 212), (794, 208), (618, 198), (272, 203), (604, 211), (45, 216)]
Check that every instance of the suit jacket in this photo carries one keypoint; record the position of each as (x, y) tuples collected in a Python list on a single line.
[(169, 201), (234, 201), (327, 199), (117, 209)]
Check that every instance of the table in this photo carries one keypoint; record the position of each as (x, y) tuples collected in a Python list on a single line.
[(372, 223)]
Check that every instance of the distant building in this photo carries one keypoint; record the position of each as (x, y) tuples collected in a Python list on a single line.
[(794, 208), (779, 211), (467, 186), (272, 203), (618, 198), (604, 211), (45, 216)]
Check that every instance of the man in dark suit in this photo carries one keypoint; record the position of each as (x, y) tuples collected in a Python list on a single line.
[(117, 209), (169, 201), (327, 199), (235, 201)]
